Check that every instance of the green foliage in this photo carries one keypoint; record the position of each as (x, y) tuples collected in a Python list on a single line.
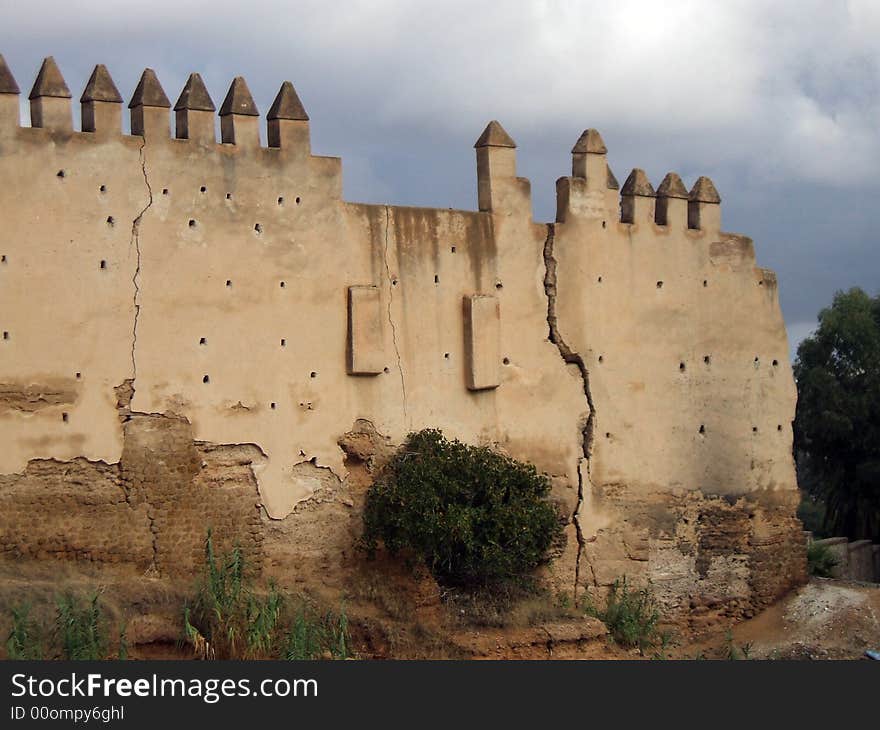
[(476, 517), (820, 560), (24, 641), (630, 615), (80, 628), (837, 427), (230, 619), (313, 635)]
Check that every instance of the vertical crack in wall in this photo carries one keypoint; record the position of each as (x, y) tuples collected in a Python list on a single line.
[(390, 317), (570, 358), (136, 241)]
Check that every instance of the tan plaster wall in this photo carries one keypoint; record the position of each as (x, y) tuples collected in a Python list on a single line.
[(223, 301)]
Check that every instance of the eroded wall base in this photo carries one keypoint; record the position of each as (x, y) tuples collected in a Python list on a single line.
[(705, 557)]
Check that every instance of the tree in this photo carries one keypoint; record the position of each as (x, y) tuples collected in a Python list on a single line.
[(837, 426)]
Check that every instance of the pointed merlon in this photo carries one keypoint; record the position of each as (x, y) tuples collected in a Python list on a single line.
[(672, 187), (7, 80), (590, 142), (49, 82), (704, 191), (195, 96), (239, 100), (638, 184), (494, 136), (287, 105), (612, 181), (149, 92), (101, 87)]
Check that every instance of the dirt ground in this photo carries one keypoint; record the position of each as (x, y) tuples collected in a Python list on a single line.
[(395, 615)]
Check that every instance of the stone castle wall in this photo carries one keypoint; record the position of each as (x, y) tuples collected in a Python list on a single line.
[(206, 334)]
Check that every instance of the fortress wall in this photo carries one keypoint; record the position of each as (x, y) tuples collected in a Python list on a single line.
[(209, 321)]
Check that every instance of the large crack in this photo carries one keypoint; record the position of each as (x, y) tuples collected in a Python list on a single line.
[(390, 317), (570, 358), (136, 241)]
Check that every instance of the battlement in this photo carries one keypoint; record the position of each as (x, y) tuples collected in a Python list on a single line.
[(591, 191), (101, 106)]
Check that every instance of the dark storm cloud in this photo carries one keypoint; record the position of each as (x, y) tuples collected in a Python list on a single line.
[(779, 102)]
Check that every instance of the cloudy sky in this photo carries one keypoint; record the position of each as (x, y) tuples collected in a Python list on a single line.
[(778, 102)]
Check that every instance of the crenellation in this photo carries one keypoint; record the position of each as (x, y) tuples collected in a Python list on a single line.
[(149, 107), (637, 198), (101, 104), (239, 117), (288, 123), (194, 113), (50, 99), (672, 202), (704, 207)]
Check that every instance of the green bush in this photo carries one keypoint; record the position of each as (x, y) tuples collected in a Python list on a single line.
[(820, 560), (25, 639), (631, 616), (476, 517)]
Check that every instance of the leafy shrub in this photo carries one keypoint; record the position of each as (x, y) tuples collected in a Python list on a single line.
[(24, 640), (820, 560), (476, 517), (80, 629), (631, 616)]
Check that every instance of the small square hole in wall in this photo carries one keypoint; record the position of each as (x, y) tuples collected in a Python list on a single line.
[(659, 284), (229, 196), (79, 376), (164, 191), (258, 228), (313, 374), (776, 363), (203, 189), (452, 249), (192, 222), (281, 284), (272, 405), (506, 361), (111, 221), (681, 367), (298, 200), (779, 427), (103, 189), (65, 417), (280, 201), (702, 428), (203, 340), (206, 379), (283, 342), (5, 335), (707, 359), (705, 282), (499, 285), (3, 259), (436, 279), (61, 174), (103, 264), (229, 282), (446, 355)]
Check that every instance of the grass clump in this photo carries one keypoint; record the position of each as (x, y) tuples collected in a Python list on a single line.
[(25, 638), (820, 560), (630, 615), (229, 618), (476, 518), (80, 628)]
